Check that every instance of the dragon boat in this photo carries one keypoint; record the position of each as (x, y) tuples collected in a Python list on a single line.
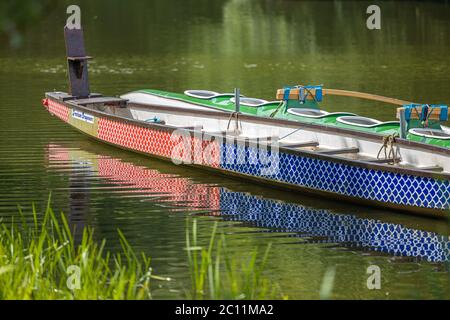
[(328, 161)]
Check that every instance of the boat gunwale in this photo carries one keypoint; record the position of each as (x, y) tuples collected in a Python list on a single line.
[(267, 120)]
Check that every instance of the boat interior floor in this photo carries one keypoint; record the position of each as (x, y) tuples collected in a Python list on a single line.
[(362, 121)]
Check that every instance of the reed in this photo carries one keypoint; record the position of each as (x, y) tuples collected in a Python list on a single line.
[(39, 260), (215, 274)]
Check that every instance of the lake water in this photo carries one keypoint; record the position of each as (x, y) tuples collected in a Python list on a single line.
[(258, 46)]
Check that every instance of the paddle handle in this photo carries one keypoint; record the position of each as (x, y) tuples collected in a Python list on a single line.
[(362, 95)]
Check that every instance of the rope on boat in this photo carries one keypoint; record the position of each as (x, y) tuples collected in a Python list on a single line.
[(388, 148), (425, 114), (282, 103), (301, 97), (287, 135), (238, 127), (305, 96)]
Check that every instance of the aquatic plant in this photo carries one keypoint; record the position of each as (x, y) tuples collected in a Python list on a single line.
[(215, 274), (40, 260)]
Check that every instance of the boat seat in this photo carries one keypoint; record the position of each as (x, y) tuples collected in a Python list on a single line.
[(359, 121), (430, 133), (261, 138), (295, 145), (206, 94), (188, 127), (215, 133), (339, 151), (305, 112), (253, 102), (315, 113), (362, 121), (445, 129), (383, 160), (220, 132), (432, 168)]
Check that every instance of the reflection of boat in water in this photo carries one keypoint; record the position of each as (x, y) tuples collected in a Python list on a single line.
[(310, 223), (132, 179), (328, 227)]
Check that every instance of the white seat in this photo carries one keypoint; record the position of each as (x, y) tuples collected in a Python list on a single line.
[(309, 113), (359, 121), (446, 129), (205, 94), (430, 133), (253, 102), (315, 113)]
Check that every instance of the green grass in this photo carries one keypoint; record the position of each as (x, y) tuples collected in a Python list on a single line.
[(38, 260), (215, 274), (35, 262)]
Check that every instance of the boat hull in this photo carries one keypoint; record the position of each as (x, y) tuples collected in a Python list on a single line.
[(324, 176)]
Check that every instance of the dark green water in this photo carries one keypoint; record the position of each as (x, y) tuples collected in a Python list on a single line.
[(256, 45)]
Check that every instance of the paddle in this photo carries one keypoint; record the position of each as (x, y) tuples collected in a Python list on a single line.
[(293, 94), (362, 95)]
